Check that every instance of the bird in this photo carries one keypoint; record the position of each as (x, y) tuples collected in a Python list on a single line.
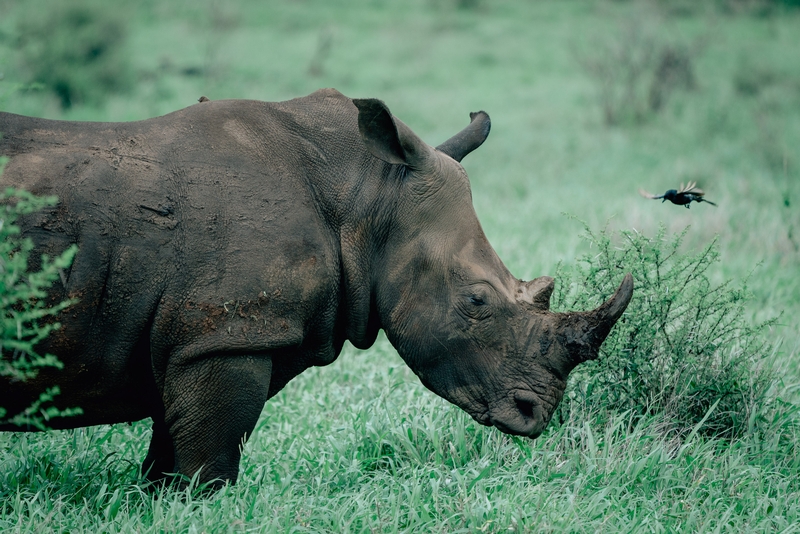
[(681, 197)]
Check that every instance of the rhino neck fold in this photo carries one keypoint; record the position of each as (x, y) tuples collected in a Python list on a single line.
[(357, 300), (365, 219)]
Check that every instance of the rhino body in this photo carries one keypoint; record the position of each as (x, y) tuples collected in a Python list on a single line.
[(226, 247)]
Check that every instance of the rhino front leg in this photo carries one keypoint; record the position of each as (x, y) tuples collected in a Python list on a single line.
[(211, 406)]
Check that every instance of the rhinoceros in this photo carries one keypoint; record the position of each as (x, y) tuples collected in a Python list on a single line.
[(225, 248)]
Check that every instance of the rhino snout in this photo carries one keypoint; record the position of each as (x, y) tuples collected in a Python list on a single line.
[(522, 414)]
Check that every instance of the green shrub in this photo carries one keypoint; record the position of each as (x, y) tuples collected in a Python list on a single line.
[(75, 49), (683, 349), (759, 8), (26, 318), (637, 68)]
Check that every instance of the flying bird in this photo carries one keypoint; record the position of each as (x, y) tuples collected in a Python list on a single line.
[(682, 197)]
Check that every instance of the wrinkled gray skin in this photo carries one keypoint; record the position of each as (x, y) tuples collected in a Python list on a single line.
[(227, 247)]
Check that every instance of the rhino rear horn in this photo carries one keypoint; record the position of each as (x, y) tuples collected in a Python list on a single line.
[(386, 137), (469, 138), (586, 331)]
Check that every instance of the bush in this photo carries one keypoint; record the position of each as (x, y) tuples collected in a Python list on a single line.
[(683, 349), (26, 319), (635, 70), (76, 49), (761, 8)]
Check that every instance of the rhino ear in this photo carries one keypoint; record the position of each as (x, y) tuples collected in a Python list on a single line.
[(388, 138), (469, 138), (535, 294)]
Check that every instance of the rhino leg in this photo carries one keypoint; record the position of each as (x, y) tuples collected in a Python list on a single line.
[(211, 406), (160, 459)]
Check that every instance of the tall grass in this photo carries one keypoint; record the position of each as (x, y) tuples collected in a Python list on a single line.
[(377, 452)]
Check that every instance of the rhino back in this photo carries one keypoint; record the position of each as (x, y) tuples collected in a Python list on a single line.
[(198, 232)]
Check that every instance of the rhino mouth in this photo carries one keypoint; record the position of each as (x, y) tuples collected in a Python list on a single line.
[(521, 413)]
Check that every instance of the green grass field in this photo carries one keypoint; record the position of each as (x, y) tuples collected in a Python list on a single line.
[(361, 445)]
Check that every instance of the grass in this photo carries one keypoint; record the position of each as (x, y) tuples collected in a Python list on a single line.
[(360, 445), (371, 452)]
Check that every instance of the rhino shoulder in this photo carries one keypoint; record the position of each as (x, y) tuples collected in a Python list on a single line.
[(327, 92)]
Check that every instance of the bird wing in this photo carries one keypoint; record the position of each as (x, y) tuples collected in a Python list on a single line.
[(691, 187), (645, 194)]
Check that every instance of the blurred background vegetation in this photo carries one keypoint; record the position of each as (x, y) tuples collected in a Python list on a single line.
[(590, 100)]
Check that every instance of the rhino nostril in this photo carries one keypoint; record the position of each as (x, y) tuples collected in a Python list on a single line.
[(524, 406)]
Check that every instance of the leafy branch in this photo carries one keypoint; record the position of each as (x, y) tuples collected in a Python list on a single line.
[(27, 317)]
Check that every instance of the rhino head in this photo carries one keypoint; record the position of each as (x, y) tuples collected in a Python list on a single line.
[(473, 333)]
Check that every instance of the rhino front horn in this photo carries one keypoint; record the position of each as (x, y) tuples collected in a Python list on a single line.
[(585, 331)]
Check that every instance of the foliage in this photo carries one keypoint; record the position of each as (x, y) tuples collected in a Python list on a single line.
[(635, 70), (26, 315), (763, 8), (76, 50), (683, 348)]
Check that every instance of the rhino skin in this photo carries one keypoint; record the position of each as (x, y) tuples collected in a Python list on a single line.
[(227, 247)]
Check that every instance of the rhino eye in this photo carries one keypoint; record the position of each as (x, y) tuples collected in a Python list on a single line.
[(476, 300), (474, 304)]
